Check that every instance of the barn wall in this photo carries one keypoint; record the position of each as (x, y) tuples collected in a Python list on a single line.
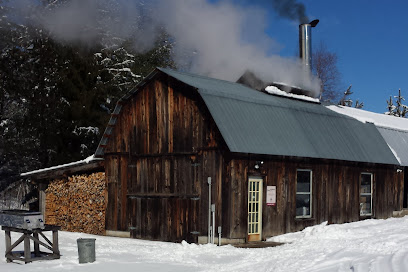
[(335, 194), (163, 148)]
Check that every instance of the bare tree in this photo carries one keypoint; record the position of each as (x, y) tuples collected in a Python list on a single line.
[(324, 65)]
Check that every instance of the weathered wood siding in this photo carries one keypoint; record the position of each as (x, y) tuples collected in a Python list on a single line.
[(163, 148), (336, 193)]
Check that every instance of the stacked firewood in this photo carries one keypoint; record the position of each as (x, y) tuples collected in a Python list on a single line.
[(77, 203)]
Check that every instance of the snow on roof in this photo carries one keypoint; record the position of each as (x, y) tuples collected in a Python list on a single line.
[(286, 84), (276, 91), (378, 119), (85, 161)]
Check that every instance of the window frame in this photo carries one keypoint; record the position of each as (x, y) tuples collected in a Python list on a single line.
[(306, 193), (366, 194)]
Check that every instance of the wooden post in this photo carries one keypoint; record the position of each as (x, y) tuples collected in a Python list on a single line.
[(8, 244), (36, 245), (27, 250), (55, 248), (41, 197)]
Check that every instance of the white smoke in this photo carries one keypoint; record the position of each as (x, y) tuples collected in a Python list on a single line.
[(216, 33), (219, 40)]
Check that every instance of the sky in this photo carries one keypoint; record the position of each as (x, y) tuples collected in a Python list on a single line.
[(369, 37), (225, 38)]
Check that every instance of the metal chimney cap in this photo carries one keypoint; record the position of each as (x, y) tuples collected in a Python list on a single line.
[(314, 23)]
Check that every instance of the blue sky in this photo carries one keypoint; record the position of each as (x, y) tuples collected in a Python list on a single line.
[(370, 39)]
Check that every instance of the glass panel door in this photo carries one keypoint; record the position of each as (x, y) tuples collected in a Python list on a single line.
[(366, 194), (254, 208)]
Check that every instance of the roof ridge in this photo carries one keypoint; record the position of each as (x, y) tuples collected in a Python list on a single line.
[(200, 76)]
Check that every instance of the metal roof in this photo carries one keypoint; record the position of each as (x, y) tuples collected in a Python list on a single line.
[(393, 129), (255, 122), (398, 142)]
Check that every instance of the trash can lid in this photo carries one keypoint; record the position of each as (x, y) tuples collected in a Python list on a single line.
[(85, 239)]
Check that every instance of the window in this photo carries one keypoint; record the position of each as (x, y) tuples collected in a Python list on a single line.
[(304, 194), (366, 194)]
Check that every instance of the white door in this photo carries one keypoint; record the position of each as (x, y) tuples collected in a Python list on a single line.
[(255, 209)]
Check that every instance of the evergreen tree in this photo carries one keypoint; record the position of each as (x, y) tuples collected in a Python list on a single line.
[(348, 102), (55, 97), (120, 69), (399, 109)]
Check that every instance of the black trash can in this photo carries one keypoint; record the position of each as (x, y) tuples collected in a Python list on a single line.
[(86, 250)]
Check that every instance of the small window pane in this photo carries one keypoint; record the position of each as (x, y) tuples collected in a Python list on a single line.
[(365, 183), (303, 181), (365, 205), (303, 205), (304, 193), (366, 189)]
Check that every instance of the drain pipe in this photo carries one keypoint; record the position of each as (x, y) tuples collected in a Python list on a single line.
[(209, 209), (213, 223), (219, 235)]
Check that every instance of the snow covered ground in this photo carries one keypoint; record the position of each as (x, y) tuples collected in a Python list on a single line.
[(370, 245)]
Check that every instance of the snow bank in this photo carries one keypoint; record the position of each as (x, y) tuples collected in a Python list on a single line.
[(370, 245)]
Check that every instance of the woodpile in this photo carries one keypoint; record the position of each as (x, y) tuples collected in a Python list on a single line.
[(77, 203)]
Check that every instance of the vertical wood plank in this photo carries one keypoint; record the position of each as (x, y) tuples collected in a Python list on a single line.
[(55, 247), (27, 249), (42, 197), (36, 245), (8, 244), (170, 110)]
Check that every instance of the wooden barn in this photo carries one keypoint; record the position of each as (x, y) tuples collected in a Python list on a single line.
[(276, 164)]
